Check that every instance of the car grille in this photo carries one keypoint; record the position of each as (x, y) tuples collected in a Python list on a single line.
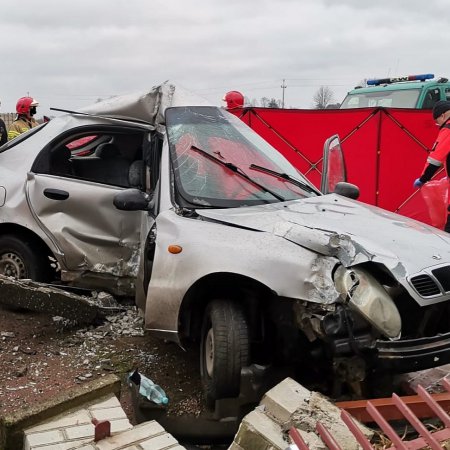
[(443, 276), (425, 286), (432, 284)]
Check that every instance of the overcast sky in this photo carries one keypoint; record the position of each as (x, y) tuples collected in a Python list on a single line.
[(67, 54)]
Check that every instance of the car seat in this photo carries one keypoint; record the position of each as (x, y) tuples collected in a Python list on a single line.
[(60, 162), (113, 165), (106, 166), (136, 174)]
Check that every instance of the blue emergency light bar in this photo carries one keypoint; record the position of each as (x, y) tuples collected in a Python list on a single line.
[(378, 81)]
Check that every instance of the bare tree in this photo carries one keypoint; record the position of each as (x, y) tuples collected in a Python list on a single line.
[(267, 102), (323, 97), (250, 102), (274, 103), (264, 102)]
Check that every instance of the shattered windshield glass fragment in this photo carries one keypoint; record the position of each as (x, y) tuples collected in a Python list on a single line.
[(237, 170), (284, 176), (212, 153)]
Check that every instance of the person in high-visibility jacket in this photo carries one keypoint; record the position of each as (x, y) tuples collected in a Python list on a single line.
[(26, 109), (440, 153)]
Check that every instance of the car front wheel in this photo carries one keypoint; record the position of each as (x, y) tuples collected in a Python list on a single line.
[(224, 349), (20, 259)]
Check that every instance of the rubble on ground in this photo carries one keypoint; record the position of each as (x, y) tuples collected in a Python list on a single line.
[(56, 300), (287, 405)]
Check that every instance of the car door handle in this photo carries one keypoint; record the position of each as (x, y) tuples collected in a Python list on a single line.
[(56, 194)]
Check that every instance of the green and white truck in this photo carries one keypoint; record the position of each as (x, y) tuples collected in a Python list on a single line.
[(412, 91)]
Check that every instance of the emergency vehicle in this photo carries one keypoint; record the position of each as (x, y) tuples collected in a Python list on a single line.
[(412, 91)]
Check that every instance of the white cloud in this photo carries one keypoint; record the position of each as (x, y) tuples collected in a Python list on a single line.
[(68, 54)]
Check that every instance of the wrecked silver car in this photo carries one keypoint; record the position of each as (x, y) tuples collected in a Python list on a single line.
[(224, 242)]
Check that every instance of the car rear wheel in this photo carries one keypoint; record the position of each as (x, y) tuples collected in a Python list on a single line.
[(224, 349), (20, 259)]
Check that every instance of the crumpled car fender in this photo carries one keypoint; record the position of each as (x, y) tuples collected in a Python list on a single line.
[(209, 247)]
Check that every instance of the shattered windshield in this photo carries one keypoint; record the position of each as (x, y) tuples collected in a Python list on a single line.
[(406, 98), (215, 158)]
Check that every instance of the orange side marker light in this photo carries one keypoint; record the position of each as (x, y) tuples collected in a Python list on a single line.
[(175, 249)]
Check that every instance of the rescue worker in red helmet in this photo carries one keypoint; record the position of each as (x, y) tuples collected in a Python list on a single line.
[(440, 153), (234, 100), (26, 109)]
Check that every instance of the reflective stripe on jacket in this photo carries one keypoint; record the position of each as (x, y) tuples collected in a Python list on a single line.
[(19, 126)]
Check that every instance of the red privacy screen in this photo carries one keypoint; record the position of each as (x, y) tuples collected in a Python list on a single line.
[(385, 149)]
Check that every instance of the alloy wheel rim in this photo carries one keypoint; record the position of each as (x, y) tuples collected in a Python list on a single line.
[(11, 265)]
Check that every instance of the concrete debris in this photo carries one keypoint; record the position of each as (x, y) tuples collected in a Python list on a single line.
[(288, 405), (66, 306), (7, 334), (93, 354), (126, 323), (20, 371)]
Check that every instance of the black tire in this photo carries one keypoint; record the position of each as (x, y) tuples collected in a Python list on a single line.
[(21, 259), (224, 349)]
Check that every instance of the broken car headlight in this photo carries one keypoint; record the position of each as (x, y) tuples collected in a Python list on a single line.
[(365, 295)]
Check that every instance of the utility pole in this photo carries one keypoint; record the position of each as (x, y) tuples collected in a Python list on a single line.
[(283, 87)]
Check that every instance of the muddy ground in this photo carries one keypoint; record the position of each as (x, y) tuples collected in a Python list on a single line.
[(42, 355)]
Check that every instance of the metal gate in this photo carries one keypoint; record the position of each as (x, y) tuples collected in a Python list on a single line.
[(426, 438)]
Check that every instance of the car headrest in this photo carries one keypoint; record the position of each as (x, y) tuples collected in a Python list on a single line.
[(107, 151), (136, 174)]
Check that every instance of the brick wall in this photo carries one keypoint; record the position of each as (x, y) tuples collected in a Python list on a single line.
[(7, 118), (74, 430)]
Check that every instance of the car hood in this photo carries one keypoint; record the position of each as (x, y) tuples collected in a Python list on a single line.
[(352, 231)]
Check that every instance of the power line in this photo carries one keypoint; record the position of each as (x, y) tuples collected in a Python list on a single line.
[(315, 82)]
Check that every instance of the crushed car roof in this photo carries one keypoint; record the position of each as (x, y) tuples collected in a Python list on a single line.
[(146, 106)]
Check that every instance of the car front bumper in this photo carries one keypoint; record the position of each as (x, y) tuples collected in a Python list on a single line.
[(414, 354)]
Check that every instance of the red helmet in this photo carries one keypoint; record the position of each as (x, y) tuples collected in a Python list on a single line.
[(24, 105), (234, 99)]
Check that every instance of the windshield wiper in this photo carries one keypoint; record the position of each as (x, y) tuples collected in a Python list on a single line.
[(284, 176), (238, 171)]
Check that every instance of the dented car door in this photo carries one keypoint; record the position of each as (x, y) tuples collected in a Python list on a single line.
[(73, 205), (90, 234)]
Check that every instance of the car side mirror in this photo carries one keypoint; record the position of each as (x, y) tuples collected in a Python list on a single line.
[(132, 200), (348, 190)]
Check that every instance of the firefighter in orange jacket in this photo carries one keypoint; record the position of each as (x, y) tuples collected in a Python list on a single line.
[(440, 154), (26, 109)]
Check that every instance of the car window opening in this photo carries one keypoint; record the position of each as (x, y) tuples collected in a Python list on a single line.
[(101, 158)]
